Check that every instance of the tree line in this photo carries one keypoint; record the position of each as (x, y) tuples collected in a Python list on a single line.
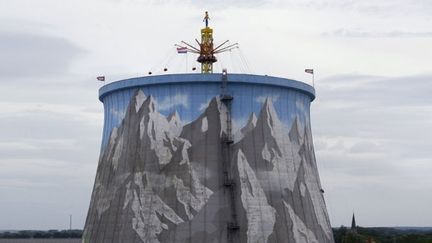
[(382, 235), (35, 234)]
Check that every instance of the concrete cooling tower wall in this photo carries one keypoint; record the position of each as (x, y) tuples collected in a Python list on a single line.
[(207, 158)]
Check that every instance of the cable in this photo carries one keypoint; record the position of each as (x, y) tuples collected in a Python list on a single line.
[(167, 56), (243, 64), (232, 62), (250, 67)]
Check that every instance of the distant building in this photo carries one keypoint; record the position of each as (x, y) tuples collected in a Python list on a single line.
[(352, 235), (353, 224)]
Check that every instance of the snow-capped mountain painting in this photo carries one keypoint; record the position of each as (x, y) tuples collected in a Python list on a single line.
[(161, 178)]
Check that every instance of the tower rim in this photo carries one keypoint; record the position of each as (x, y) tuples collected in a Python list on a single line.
[(206, 78)]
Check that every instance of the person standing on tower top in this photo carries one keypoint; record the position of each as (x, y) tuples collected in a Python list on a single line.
[(206, 18)]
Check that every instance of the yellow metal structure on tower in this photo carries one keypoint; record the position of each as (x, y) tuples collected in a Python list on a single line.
[(206, 49), (206, 57)]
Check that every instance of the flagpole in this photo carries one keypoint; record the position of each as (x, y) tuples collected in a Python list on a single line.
[(313, 79), (311, 71)]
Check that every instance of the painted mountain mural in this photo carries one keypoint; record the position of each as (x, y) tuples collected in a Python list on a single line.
[(280, 189), (160, 180)]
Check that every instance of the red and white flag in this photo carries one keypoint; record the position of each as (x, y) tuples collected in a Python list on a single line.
[(101, 78), (311, 71), (181, 50)]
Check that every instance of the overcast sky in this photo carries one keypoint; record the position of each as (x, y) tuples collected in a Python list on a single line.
[(371, 121)]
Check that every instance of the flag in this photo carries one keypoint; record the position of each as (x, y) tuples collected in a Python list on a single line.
[(311, 71), (101, 78), (181, 50)]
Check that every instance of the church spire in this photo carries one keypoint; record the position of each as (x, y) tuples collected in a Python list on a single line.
[(353, 223)]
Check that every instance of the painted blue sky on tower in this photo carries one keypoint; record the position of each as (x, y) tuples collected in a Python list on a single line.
[(190, 101)]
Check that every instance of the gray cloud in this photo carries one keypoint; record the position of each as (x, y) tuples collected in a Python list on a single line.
[(48, 162), (390, 110), (372, 141), (398, 91), (26, 54), (366, 34), (42, 124), (230, 3), (50, 140), (370, 7)]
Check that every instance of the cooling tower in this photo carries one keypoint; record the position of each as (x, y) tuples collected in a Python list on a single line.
[(207, 158)]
